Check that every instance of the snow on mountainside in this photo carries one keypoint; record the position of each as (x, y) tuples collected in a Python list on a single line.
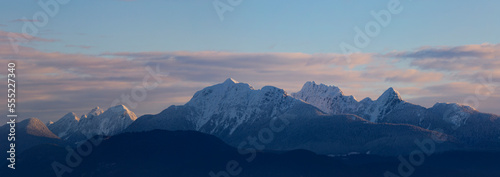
[(378, 109), (222, 109), (236, 112), (454, 113), (329, 99), (228, 105), (93, 113), (332, 100), (65, 125), (455, 119), (109, 122), (389, 107), (96, 122)]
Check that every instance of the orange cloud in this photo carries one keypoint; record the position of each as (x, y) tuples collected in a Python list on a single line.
[(78, 81)]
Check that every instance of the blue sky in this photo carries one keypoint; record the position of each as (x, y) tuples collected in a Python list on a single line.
[(255, 26), (91, 52)]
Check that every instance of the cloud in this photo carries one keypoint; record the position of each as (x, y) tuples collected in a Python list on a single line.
[(479, 50), (453, 88), (12, 37), (392, 74), (483, 97), (461, 58), (243, 60), (79, 46), (471, 63), (71, 82), (78, 82), (413, 75), (89, 80), (216, 66)]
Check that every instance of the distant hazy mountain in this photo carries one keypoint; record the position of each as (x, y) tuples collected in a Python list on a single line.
[(236, 112), (470, 126), (96, 122), (29, 132), (190, 154)]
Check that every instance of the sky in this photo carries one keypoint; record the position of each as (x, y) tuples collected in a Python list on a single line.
[(73, 55)]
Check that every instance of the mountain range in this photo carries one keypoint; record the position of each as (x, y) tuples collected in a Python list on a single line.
[(319, 118), (97, 122), (235, 111), (461, 121), (319, 125)]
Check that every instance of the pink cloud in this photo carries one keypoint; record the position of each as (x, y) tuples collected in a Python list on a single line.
[(390, 73), (467, 57), (79, 46), (9, 37), (64, 79), (413, 75)]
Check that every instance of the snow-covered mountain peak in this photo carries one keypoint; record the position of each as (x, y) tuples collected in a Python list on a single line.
[(230, 81), (110, 122), (389, 95), (329, 99), (454, 113), (366, 100), (454, 106), (231, 103), (95, 112), (96, 122), (119, 108), (229, 89), (118, 111), (385, 104), (324, 90), (65, 124), (71, 116), (273, 89)]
